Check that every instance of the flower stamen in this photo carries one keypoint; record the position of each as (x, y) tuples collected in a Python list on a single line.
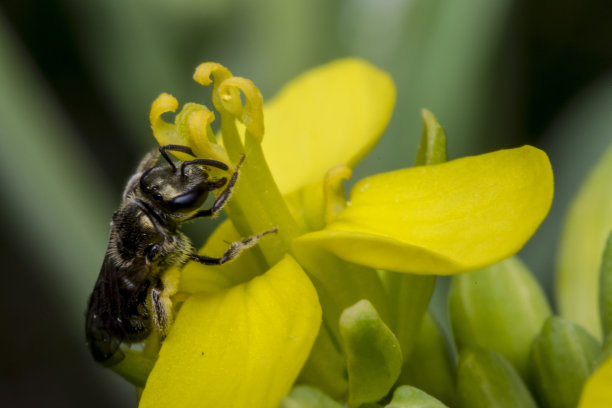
[(164, 132), (333, 191), (251, 113)]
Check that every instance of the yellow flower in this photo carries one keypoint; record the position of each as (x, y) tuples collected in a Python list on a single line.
[(246, 328)]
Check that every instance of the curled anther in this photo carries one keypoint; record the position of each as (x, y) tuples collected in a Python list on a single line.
[(251, 113), (212, 72), (164, 132), (201, 136), (206, 70), (333, 191)]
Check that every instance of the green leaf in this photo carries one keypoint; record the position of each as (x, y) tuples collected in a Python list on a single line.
[(51, 186), (588, 224), (562, 358), (501, 308), (487, 379), (411, 397), (373, 354), (303, 396), (605, 289)]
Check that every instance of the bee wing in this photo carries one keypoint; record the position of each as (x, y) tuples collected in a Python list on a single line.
[(104, 328)]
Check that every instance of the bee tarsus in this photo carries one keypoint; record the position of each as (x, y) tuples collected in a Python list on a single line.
[(233, 251)]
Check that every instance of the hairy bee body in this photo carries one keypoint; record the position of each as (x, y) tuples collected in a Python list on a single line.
[(127, 303)]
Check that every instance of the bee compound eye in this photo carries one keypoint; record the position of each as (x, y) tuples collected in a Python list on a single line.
[(189, 200), (152, 251)]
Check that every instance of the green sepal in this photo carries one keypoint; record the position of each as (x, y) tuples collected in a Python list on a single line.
[(486, 379), (408, 299), (605, 289), (562, 358), (303, 396), (501, 308), (429, 366), (373, 354), (326, 366), (407, 396)]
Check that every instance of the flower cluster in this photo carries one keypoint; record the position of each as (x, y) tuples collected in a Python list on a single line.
[(337, 299)]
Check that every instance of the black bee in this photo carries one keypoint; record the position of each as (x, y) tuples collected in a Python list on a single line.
[(127, 304)]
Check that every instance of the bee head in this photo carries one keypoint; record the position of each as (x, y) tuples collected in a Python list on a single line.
[(179, 191)]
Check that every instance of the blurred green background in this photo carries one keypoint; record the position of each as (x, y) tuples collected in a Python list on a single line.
[(77, 80)]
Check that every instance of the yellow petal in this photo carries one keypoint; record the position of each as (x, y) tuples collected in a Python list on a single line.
[(242, 347), (442, 219), (330, 115), (597, 392)]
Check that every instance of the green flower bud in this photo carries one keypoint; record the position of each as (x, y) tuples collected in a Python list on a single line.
[(304, 396), (562, 358), (373, 354), (411, 397), (501, 308), (486, 379)]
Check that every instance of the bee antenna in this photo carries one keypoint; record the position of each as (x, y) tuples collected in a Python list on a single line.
[(183, 168), (174, 148), (204, 162), (162, 150)]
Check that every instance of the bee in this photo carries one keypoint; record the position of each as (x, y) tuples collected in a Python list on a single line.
[(127, 303)]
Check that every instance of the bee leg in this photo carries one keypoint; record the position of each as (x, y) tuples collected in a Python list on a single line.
[(161, 308), (233, 251), (223, 197)]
